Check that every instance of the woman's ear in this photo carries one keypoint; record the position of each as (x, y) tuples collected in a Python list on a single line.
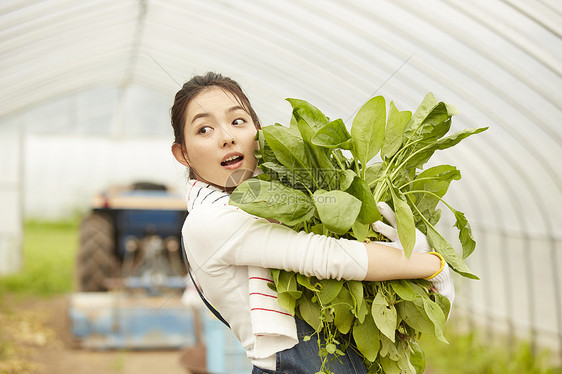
[(180, 154)]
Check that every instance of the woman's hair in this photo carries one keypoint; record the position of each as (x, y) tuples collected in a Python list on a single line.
[(193, 87)]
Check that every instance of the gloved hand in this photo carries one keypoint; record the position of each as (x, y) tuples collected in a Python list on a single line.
[(442, 282), (390, 232)]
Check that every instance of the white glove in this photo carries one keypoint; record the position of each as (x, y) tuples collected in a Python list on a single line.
[(390, 232), (442, 282)]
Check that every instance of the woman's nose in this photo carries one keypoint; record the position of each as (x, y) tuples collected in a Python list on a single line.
[(226, 138), (227, 142)]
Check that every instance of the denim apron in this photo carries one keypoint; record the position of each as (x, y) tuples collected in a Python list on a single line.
[(303, 357)]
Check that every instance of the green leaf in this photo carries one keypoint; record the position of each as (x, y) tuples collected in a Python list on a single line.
[(368, 129), (456, 138), (305, 282), (287, 292), (310, 313), (436, 124), (415, 316), (288, 148), (329, 290), (333, 135), (271, 199), (421, 156), (384, 315), (394, 130), (264, 153), (426, 106), (366, 336), (390, 366), (322, 169), (308, 132), (436, 315), (403, 289), (422, 291), (292, 176), (433, 218), (360, 230), (440, 245), (290, 279), (309, 113), (443, 303), (359, 303), (338, 155), (369, 212), (317, 229), (275, 273), (287, 302), (374, 172), (343, 307), (435, 180), (337, 210), (404, 359), (345, 178), (465, 234), (388, 349), (404, 222), (417, 357)]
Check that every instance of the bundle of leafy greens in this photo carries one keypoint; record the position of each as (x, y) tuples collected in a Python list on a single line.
[(309, 184)]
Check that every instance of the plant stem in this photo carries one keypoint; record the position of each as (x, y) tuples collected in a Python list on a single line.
[(422, 216), (376, 181), (356, 166), (393, 175), (380, 189), (338, 161), (429, 193), (383, 181), (401, 150), (417, 129), (416, 180)]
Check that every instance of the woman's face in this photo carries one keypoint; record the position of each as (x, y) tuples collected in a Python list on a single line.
[(219, 139)]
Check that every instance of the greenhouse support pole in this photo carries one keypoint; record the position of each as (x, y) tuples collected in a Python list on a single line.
[(11, 227)]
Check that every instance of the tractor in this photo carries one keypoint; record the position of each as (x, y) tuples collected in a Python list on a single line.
[(130, 273)]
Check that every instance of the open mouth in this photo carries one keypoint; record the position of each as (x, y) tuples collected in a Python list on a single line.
[(232, 160)]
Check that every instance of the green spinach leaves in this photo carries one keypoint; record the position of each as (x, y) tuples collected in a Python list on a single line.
[(319, 177)]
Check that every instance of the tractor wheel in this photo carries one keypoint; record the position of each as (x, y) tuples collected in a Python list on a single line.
[(97, 260)]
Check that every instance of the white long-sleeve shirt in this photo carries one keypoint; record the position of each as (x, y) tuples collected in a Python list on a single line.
[(222, 242)]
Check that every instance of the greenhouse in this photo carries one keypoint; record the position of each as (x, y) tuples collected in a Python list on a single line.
[(87, 88)]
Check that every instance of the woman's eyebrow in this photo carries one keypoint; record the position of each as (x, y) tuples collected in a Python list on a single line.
[(206, 114), (200, 115), (235, 108)]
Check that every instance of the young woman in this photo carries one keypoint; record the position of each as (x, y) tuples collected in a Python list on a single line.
[(230, 251)]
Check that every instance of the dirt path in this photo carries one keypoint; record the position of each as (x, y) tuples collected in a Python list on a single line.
[(42, 341)]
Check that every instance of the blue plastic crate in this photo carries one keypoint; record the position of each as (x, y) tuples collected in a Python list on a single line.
[(225, 354), (113, 321)]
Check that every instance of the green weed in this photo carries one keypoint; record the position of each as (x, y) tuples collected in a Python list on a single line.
[(472, 353), (49, 251)]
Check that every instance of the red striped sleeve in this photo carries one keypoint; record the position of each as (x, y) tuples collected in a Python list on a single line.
[(259, 278), (263, 294), (272, 310), (265, 279)]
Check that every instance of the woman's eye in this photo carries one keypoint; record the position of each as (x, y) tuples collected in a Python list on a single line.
[(204, 130), (238, 121)]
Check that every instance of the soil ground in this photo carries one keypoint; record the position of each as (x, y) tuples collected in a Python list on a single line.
[(39, 331)]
